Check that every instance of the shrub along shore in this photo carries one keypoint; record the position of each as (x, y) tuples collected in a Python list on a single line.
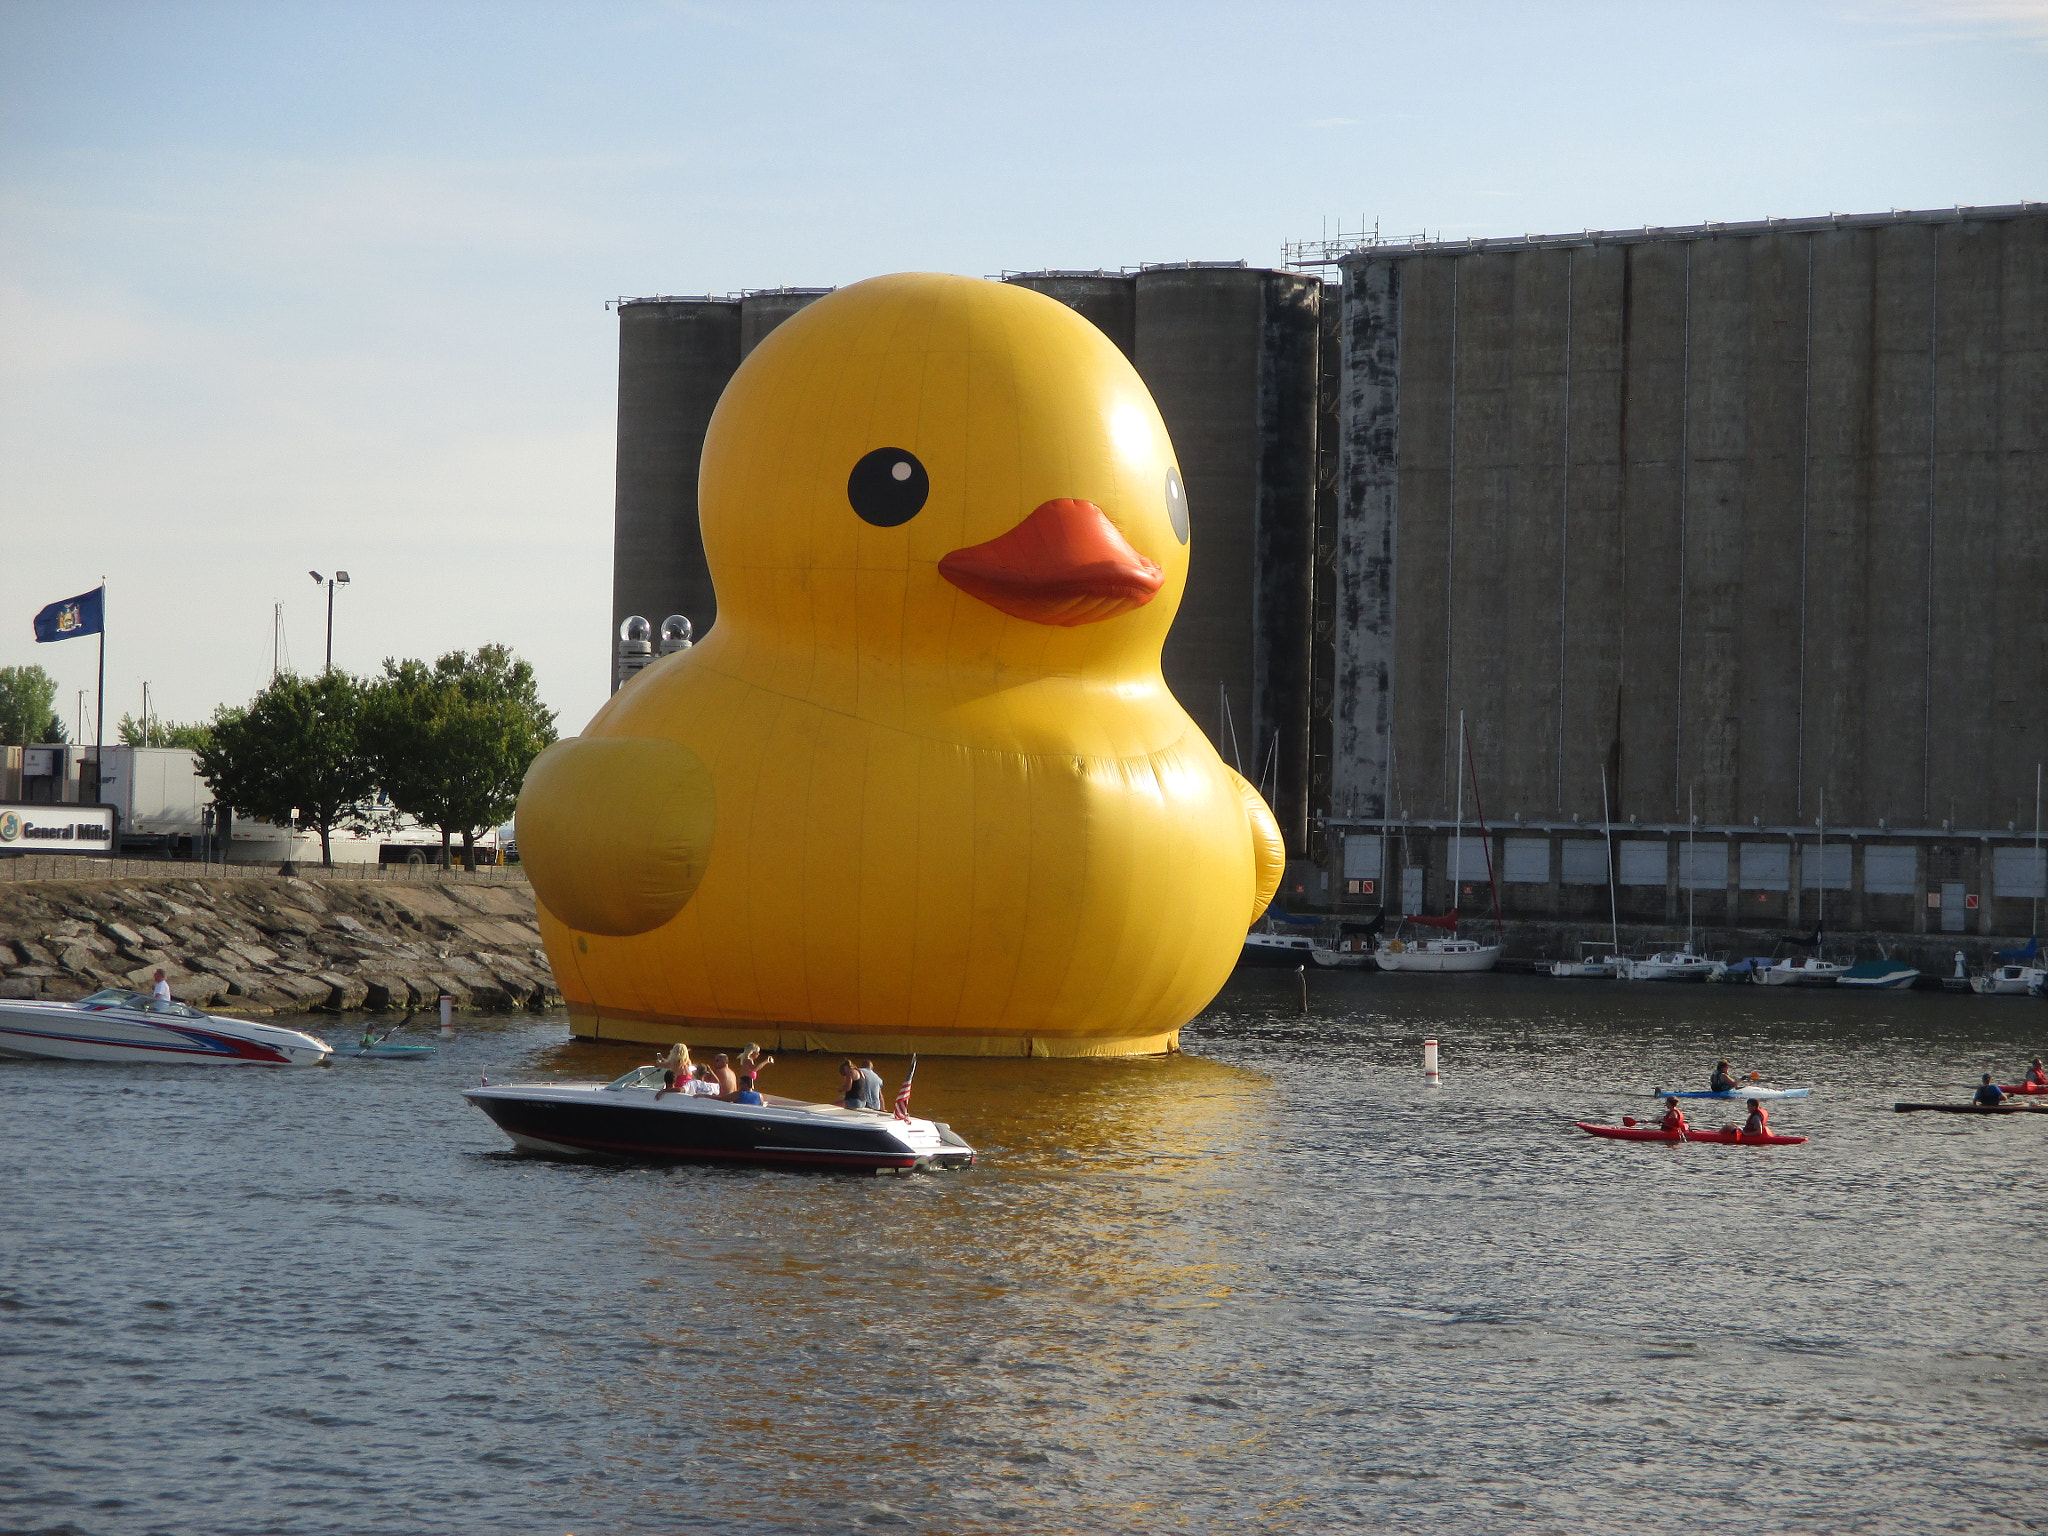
[(277, 944)]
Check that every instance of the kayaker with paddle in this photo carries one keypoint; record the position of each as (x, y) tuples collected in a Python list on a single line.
[(1674, 1117), (1990, 1095), (1724, 1080)]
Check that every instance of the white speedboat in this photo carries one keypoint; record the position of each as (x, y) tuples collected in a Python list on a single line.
[(130, 1026), (1668, 965), (1800, 971), (1598, 960), (2009, 981), (631, 1118)]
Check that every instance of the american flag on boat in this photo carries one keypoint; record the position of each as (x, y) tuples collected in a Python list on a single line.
[(903, 1093)]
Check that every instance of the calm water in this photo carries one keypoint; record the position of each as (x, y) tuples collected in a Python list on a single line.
[(1271, 1285)]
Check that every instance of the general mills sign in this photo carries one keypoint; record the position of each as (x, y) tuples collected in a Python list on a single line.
[(56, 828)]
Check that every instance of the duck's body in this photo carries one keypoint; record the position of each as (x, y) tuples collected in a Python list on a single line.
[(922, 787)]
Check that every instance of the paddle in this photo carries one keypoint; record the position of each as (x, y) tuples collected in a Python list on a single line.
[(369, 1044)]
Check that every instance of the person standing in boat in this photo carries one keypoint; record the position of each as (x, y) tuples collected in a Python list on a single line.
[(849, 1084), (159, 991), (748, 1072), (723, 1074), (1759, 1121), (1674, 1117), (1990, 1095)]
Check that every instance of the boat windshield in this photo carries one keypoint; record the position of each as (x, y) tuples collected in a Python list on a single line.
[(639, 1077), (118, 997), (114, 997)]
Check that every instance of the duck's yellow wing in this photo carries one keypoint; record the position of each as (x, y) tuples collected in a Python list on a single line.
[(1269, 854), (615, 831)]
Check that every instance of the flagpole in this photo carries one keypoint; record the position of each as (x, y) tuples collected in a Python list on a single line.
[(99, 700)]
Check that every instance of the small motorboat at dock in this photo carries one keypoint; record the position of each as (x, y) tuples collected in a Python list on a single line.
[(1801, 971), (1668, 965), (1879, 975), (122, 1026), (1271, 946), (1599, 960), (2009, 981), (633, 1119)]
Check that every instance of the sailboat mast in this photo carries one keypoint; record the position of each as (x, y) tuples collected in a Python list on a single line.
[(1485, 838), (1458, 826), (1607, 824), (1692, 860), (1820, 911)]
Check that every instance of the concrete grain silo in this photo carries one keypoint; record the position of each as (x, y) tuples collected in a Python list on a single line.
[(1747, 520), (675, 355), (1107, 299), (763, 309), (1231, 354)]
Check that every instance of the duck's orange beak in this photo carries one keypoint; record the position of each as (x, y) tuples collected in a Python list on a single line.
[(1064, 564)]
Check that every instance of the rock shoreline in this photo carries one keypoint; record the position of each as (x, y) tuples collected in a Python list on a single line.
[(277, 945)]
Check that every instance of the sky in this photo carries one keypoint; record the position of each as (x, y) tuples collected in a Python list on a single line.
[(295, 286)]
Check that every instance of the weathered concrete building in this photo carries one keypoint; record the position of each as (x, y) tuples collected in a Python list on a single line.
[(1749, 521), (1736, 536)]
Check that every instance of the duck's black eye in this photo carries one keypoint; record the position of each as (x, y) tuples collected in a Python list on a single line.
[(888, 487), (1177, 505)]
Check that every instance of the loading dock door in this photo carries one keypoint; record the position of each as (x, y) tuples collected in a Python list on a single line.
[(1952, 913)]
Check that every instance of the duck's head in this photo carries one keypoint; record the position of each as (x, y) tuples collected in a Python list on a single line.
[(945, 471)]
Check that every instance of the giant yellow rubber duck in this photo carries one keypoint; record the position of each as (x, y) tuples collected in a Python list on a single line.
[(922, 787)]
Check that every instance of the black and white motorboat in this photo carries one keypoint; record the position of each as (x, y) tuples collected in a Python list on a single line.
[(118, 1025), (626, 1119), (1281, 940)]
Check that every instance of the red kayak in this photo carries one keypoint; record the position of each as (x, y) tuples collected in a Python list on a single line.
[(1651, 1133), (2023, 1087)]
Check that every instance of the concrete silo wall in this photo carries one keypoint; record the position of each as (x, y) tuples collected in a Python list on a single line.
[(1751, 519), (675, 356), (1231, 355), (1108, 300), (763, 310), (1752, 523)]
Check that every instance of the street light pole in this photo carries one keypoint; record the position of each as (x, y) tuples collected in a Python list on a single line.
[(341, 578)]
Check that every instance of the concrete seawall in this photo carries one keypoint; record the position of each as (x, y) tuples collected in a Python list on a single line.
[(272, 944)]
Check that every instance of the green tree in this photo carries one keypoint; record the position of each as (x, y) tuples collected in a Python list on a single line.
[(295, 749), (28, 696), (450, 743), (165, 734)]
